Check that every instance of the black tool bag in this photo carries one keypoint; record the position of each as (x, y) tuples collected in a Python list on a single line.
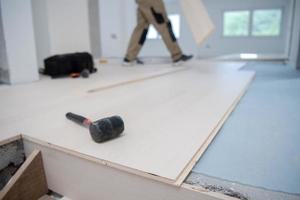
[(66, 64)]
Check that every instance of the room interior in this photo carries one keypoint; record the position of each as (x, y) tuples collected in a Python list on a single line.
[(224, 125)]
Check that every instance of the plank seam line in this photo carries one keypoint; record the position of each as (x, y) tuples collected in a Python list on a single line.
[(105, 87)]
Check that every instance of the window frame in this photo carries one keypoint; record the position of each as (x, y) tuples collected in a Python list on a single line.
[(250, 25), (280, 24), (223, 24)]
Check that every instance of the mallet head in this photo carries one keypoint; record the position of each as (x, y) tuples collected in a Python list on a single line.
[(106, 128)]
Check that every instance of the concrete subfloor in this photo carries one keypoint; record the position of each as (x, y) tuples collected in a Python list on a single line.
[(258, 146)]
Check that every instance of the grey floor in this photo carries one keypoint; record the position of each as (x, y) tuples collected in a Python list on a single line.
[(259, 144)]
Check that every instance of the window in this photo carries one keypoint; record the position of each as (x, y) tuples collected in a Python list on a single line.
[(152, 33), (236, 23), (266, 22), (175, 20)]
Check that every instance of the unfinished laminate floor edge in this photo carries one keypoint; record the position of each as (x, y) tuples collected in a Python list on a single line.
[(209, 139), (93, 148), (74, 142), (180, 89), (96, 160), (186, 170), (104, 181)]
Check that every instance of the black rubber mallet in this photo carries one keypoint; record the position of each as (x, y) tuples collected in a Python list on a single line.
[(100, 130)]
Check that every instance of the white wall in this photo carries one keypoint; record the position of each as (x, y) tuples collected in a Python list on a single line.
[(4, 71), (68, 26), (19, 40), (298, 57), (113, 27), (61, 26), (295, 40), (58, 26), (219, 45), (118, 19), (41, 30), (214, 46), (94, 25)]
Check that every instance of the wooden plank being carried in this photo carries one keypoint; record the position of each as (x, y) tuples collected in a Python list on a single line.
[(29, 182), (198, 19)]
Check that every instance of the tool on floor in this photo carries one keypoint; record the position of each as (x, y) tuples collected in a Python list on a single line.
[(70, 64), (84, 74), (100, 130)]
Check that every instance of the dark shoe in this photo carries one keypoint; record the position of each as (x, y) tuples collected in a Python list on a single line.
[(186, 57), (182, 59), (139, 62), (127, 62)]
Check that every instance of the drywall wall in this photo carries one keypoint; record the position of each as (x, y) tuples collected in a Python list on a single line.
[(215, 45), (41, 30), (4, 76), (298, 57), (294, 54), (68, 26), (117, 31), (94, 25), (19, 40), (61, 26), (113, 26), (219, 45)]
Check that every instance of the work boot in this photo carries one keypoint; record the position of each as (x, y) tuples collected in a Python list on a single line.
[(183, 58), (128, 63), (139, 62)]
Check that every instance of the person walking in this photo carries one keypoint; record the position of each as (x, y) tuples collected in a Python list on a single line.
[(153, 12)]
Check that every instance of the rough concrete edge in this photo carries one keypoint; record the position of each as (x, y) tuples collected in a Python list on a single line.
[(12, 157), (238, 190), (12, 152)]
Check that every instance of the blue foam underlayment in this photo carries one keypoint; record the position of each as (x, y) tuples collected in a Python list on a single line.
[(259, 144)]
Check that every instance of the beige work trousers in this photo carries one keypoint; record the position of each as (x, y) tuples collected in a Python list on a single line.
[(152, 12)]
